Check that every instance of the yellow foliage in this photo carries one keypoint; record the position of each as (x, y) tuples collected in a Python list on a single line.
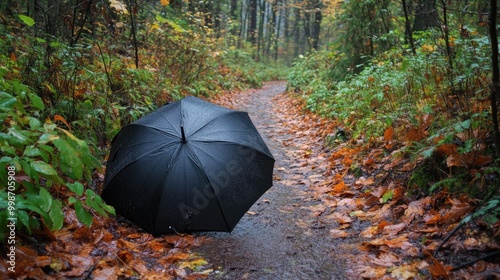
[(165, 2), (428, 48), (155, 26)]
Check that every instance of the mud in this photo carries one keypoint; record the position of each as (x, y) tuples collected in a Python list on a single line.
[(278, 238)]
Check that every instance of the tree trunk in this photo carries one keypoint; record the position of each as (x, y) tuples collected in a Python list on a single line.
[(132, 8), (278, 32), (252, 29), (316, 24), (286, 25), (408, 30), (296, 31), (260, 37)]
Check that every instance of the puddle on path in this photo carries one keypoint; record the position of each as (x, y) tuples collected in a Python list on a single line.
[(271, 241)]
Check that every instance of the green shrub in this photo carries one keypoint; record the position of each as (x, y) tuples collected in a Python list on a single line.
[(49, 162)]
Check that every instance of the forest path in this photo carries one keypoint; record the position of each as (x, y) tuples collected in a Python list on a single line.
[(280, 237)]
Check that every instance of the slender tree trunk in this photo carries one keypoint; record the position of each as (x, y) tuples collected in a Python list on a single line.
[(272, 26), (316, 24), (446, 34), (408, 30), (132, 8), (296, 31), (495, 89), (252, 29), (286, 26), (260, 36), (233, 27), (278, 32), (245, 14), (87, 4)]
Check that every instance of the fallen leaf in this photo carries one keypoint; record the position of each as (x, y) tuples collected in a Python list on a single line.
[(393, 230), (338, 233), (416, 209), (398, 242), (365, 182), (369, 232), (386, 259), (193, 264), (437, 269)]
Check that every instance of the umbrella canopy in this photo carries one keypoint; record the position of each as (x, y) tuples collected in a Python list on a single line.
[(188, 166)]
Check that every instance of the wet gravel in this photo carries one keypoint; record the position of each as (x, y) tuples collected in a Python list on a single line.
[(278, 238)]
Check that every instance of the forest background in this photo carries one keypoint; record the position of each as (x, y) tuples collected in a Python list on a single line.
[(416, 78)]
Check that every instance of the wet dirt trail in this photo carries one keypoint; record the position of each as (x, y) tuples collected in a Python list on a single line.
[(278, 238)]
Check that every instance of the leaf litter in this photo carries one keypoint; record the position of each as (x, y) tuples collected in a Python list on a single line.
[(109, 249), (393, 232)]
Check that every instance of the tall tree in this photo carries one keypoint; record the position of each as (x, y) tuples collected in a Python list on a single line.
[(296, 30), (252, 29), (408, 28), (317, 16)]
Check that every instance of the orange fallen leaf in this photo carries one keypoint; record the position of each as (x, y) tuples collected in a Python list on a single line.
[(365, 182), (369, 161), (398, 242), (437, 269), (382, 225), (393, 230)]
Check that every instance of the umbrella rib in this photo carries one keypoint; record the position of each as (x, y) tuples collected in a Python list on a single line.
[(218, 204), (216, 118), (198, 163), (266, 153)]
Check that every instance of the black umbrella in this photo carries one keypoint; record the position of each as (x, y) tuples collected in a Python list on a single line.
[(188, 166)]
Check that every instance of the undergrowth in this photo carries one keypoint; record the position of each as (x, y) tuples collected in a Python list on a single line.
[(440, 116)]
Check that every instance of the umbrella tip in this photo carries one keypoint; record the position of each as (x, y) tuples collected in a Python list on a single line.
[(183, 135)]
